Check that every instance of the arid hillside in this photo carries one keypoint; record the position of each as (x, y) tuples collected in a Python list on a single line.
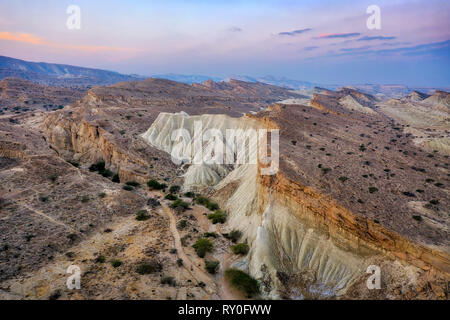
[(362, 181)]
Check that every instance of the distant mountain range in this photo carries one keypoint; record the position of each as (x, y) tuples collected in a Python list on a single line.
[(59, 74), (80, 77)]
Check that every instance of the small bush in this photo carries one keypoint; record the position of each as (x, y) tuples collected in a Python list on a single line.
[(210, 235), (115, 178), (99, 166), (242, 281), (142, 215), (234, 235), (168, 280), (204, 201), (155, 185), (189, 194), (241, 248), (116, 263), (85, 199), (180, 204), (373, 189), (148, 267), (75, 164), (217, 217), (343, 179), (212, 266), (171, 197), (174, 189), (100, 259), (182, 224), (106, 173), (180, 262), (101, 195), (128, 188), (434, 201), (202, 246), (326, 170), (133, 183), (417, 217)]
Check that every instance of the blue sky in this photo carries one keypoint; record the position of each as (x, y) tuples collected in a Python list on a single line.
[(319, 41)]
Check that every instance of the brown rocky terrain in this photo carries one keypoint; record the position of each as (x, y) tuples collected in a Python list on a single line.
[(351, 168)]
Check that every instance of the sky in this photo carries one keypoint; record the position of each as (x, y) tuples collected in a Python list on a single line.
[(312, 40)]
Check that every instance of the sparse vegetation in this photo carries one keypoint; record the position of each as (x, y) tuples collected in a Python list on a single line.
[(343, 179), (128, 188), (142, 215), (212, 266), (174, 189), (182, 224), (171, 197), (373, 189), (168, 280), (148, 267), (242, 281), (204, 201), (189, 194), (417, 217), (100, 259), (179, 204), (202, 246), (210, 235), (155, 185), (240, 248), (133, 183), (234, 235), (116, 263), (217, 217)]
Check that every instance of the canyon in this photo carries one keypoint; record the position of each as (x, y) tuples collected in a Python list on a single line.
[(362, 181)]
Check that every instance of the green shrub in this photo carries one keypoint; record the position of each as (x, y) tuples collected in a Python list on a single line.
[(168, 280), (128, 188), (99, 166), (212, 266), (204, 201), (182, 224), (373, 189), (189, 194), (417, 217), (326, 170), (343, 179), (148, 267), (116, 263), (242, 281), (106, 173), (85, 199), (100, 259), (142, 215), (155, 185), (434, 201), (234, 235), (171, 197), (101, 195), (174, 189), (133, 183), (240, 248), (202, 246), (210, 235), (217, 217), (116, 178), (179, 204), (180, 262)]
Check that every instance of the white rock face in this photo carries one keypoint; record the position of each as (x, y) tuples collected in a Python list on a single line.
[(278, 239)]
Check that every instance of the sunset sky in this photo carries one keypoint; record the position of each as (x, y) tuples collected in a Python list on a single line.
[(312, 40)]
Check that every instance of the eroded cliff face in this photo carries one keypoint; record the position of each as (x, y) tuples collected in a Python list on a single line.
[(303, 243)]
